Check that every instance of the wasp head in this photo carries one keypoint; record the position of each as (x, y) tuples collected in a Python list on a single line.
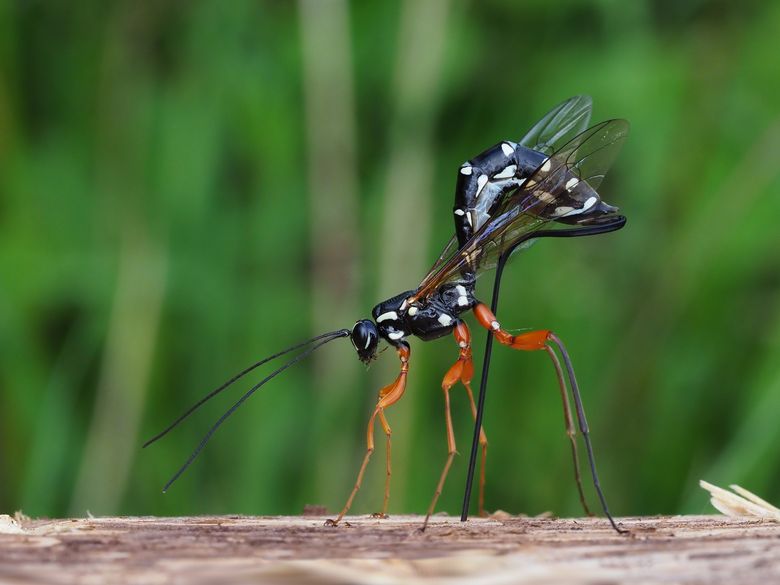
[(365, 338)]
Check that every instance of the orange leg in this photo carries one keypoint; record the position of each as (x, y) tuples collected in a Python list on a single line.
[(388, 396), (465, 378), (545, 340), (462, 370)]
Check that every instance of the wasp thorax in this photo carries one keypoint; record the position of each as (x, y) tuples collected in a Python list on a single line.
[(365, 338)]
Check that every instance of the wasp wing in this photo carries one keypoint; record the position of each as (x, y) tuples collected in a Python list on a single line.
[(562, 187), (560, 125), (449, 250)]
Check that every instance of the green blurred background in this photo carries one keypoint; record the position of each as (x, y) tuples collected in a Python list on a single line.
[(186, 187)]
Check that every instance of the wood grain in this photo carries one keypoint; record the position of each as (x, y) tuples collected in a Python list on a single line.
[(300, 550)]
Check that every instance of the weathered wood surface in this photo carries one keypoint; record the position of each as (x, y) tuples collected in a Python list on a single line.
[(300, 550)]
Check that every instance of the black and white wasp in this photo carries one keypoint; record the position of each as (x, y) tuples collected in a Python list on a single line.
[(510, 194)]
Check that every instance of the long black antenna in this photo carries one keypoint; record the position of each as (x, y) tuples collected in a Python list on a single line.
[(241, 374), (333, 335)]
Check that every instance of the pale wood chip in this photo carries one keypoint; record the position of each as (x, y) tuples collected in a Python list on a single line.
[(741, 504)]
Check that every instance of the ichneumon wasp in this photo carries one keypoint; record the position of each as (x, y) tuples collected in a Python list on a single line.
[(542, 186)]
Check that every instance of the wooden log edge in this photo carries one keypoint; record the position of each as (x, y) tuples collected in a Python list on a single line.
[(501, 549)]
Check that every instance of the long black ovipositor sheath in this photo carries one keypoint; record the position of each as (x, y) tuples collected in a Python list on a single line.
[(464, 515)]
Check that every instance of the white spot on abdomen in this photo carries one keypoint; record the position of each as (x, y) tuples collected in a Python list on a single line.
[(563, 210), (571, 183), (396, 335), (546, 166), (445, 319), (481, 182), (566, 211), (459, 212), (465, 169), (507, 173)]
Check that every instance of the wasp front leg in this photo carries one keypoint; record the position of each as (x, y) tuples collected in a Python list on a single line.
[(545, 340), (388, 396)]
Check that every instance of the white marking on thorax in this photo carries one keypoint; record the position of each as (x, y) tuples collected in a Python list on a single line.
[(459, 212), (445, 319), (571, 183), (412, 311), (481, 182), (368, 342), (463, 298), (465, 169), (508, 148), (589, 203), (389, 316), (396, 335), (507, 173)]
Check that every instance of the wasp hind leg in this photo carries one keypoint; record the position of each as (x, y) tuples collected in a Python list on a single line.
[(462, 370), (571, 431), (546, 340), (388, 396)]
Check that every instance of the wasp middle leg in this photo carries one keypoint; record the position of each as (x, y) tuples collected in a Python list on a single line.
[(545, 340), (462, 370), (388, 396)]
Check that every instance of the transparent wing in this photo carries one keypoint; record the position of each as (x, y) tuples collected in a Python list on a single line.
[(553, 187), (560, 125), (447, 253), (594, 157)]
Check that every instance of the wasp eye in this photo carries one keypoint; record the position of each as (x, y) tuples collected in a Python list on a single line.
[(365, 338)]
